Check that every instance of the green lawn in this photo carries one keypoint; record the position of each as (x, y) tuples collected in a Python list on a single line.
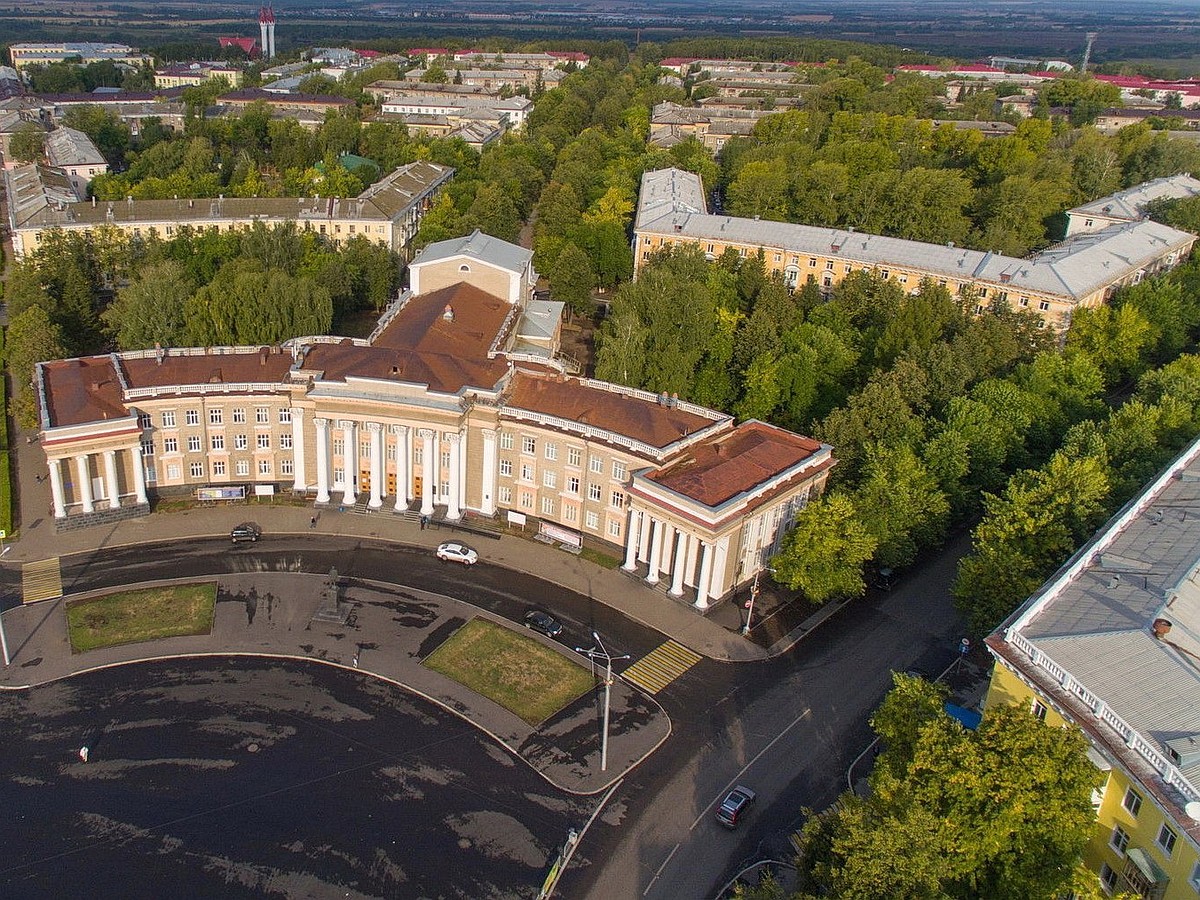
[(513, 669), (130, 617)]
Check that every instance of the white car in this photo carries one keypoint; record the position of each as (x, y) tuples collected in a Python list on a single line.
[(453, 551)]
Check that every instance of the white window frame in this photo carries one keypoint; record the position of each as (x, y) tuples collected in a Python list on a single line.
[(1118, 840)]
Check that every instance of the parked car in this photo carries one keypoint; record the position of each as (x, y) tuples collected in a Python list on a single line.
[(735, 805), (247, 531), (543, 622), (453, 551)]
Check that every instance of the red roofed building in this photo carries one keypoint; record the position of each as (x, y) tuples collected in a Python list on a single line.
[(428, 53), (459, 404), (249, 44)]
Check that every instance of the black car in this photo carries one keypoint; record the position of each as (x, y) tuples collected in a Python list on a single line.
[(543, 622), (733, 808), (246, 532)]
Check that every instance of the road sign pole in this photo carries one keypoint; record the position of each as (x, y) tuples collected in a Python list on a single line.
[(3, 640)]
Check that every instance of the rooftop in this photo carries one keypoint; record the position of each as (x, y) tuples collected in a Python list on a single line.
[(68, 147), (1131, 204), (483, 247)]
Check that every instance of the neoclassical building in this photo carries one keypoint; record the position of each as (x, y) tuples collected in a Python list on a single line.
[(457, 406)]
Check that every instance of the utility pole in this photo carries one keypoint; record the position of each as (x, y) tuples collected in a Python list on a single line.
[(600, 652)]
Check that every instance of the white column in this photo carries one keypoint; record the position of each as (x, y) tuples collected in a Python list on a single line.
[(720, 562), (322, 459), (452, 509), (488, 504), (299, 479), (402, 456), (427, 470), (656, 534), (376, 431), (85, 482), (349, 461), (56, 489), (110, 479), (139, 473), (681, 545), (632, 539), (706, 551)]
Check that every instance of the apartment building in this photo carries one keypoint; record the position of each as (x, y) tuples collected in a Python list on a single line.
[(1082, 271), (43, 53), (1110, 645), (457, 405), (388, 212), (1129, 205), (73, 152), (197, 73)]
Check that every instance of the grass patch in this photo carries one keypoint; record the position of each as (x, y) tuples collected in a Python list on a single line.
[(524, 676), (600, 558), (130, 617)]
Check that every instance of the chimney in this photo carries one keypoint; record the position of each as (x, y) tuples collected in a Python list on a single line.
[(1162, 627), (448, 313), (262, 357), (158, 353)]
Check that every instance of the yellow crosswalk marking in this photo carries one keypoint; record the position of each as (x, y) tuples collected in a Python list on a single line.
[(41, 580), (661, 666)]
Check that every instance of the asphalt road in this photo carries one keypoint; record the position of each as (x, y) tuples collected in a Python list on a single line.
[(788, 727), (253, 778)]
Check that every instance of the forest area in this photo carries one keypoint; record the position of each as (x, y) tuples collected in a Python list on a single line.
[(941, 419)]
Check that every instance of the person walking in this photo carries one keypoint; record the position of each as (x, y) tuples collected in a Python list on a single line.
[(312, 523)]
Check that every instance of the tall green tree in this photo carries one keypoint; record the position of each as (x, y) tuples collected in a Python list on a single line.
[(823, 554)]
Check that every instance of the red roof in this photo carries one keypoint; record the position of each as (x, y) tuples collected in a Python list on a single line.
[(246, 43), (978, 68), (674, 62), (369, 54)]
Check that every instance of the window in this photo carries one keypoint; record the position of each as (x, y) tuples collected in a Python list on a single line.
[(593, 492), (551, 450), (505, 495), (829, 265), (506, 468), (215, 417), (218, 467), (618, 499), (264, 442), (144, 421), (264, 467), (1132, 802), (574, 457), (1044, 305), (192, 417), (339, 447), (147, 448), (619, 470), (168, 419), (1166, 839), (170, 445), (885, 274), (547, 506), (285, 416), (1195, 877), (286, 468), (1108, 877), (173, 471), (262, 415), (572, 484), (592, 520), (778, 257), (1039, 710), (1024, 301), (194, 443), (526, 500), (243, 468), (285, 442), (240, 442), (526, 472), (1118, 840), (978, 309), (570, 512), (197, 469), (614, 528), (506, 440), (239, 416), (596, 464), (1087, 223), (812, 263), (528, 445), (550, 478), (418, 455)]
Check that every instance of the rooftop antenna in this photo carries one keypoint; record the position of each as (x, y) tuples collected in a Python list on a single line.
[(1087, 50)]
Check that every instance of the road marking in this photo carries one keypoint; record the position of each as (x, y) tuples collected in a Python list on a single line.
[(41, 580), (660, 869), (725, 790), (661, 666)]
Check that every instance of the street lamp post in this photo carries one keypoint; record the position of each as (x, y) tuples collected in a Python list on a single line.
[(600, 652), (750, 605)]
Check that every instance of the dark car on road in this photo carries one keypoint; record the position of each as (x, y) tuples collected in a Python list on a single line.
[(246, 532), (735, 805), (543, 622)]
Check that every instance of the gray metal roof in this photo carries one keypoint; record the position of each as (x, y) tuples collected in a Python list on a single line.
[(69, 147), (672, 204), (480, 246), (1094, 618), (540, 319), (1131, 203)]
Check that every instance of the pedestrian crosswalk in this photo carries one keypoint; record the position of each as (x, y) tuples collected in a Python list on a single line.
[(661, 666), (41, 580)]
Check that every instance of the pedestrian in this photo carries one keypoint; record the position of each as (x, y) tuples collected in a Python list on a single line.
[(83, 754), (424, 521), (312, 523), (355, 660)]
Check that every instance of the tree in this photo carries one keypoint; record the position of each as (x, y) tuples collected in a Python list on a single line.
[(572, 278), (246, 304), (900, 504), (32, 338), (493, 212), (150, 309), (823, 554), (27, 143)]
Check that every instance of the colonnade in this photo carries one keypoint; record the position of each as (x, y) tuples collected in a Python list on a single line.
[(670, 550), (85, 496)]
